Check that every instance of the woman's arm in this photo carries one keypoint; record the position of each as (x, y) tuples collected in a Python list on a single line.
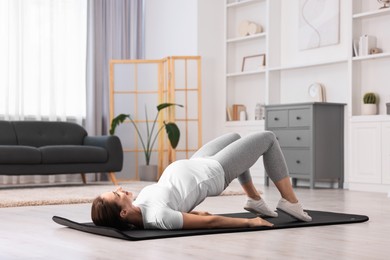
[(191, 221), (200, 213)]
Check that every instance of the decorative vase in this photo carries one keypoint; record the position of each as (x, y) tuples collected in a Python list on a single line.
[(147, 172), (385, 3), (369, 109)]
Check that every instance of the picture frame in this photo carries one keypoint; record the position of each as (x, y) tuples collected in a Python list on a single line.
[(253, 62), (319, 24)]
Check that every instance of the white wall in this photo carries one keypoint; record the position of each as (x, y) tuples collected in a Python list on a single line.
[(210, 45), (170, 28), (191, 27)]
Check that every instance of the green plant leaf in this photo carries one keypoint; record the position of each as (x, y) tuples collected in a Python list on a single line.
[(165, 105), (172, 130), (117, 121), (173, 134)]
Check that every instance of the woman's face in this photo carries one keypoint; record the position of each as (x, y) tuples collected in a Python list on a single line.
[(121, 197)]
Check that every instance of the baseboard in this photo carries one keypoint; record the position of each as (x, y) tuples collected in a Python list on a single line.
[(383, 188)]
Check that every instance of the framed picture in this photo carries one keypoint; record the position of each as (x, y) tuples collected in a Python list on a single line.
[(253, 62), (319, 23)]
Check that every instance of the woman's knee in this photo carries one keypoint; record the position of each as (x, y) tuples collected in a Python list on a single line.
[(270, 135), (266, 135), (232, 136), (235, 135)]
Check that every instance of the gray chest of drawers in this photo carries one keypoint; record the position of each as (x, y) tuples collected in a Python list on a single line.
[(311, 136)]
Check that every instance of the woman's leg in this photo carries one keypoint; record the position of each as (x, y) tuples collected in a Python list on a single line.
[(215, 145), (289, 202), (218, 144), (285, 188), (243, 153), (240, 155), (250, 190)]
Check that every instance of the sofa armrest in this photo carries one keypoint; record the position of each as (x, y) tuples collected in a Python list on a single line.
[(113, 146)]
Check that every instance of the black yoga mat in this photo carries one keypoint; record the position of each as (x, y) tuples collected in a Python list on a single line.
[(282, 221)]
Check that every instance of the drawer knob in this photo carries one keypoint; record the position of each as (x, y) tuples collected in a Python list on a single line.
[(298, 138), (298, 161), (298, 118), (276, 119)]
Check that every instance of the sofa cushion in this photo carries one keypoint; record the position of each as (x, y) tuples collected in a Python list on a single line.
[(12, 154), (73, 154), (43, 133), (7, 133)]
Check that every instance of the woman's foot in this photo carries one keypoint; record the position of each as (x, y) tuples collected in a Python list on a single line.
[(293, 209), (259, 207)]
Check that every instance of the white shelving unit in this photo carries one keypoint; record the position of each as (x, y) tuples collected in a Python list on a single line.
[(372, 13), (237, 74), (246, 87), (277, 80), (246, 38), (369, 152), (368, 72), (284, 80), (307, 65), (372, 56)]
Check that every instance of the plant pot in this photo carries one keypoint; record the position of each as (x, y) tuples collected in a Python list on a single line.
[(369, 109), (147, 172)]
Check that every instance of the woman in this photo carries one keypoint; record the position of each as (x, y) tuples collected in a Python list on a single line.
[(184, 184)]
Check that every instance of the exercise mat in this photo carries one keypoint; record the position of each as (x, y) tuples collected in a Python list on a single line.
[(282, 221)]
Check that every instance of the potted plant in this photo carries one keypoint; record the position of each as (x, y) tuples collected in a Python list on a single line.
[(149, 172), (369, 104)]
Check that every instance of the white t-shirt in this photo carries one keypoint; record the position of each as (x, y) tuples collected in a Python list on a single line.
[(183, 185)]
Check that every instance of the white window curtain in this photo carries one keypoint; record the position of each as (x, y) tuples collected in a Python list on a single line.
[(42, 65), (115, 31), (43, 57)]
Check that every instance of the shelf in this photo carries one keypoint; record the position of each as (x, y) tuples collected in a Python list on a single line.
[(237, 74), (242, 3), (245, 123), (371, 56), (306, 65), (371, 118), (371, 14), (246, 38)]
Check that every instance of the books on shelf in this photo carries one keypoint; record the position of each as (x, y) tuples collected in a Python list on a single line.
[(236, 112), (364, 45)]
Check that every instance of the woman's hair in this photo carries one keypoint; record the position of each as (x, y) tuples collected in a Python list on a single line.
[(106, 213)]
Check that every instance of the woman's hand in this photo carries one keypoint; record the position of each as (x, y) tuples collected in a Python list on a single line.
[(259, 222)]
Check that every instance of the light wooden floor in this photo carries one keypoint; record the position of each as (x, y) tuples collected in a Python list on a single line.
[(29, 232)]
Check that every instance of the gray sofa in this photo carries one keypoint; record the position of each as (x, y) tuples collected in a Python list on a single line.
[(45, 148)]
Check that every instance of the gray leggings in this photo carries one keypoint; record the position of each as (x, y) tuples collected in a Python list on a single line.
[(237, 155)]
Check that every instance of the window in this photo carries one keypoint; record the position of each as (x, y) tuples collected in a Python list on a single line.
[(43, 59)]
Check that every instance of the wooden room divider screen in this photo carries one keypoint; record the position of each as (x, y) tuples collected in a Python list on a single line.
[(136, 88)]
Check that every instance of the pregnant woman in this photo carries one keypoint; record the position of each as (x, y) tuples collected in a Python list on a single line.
[(169, 203)]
